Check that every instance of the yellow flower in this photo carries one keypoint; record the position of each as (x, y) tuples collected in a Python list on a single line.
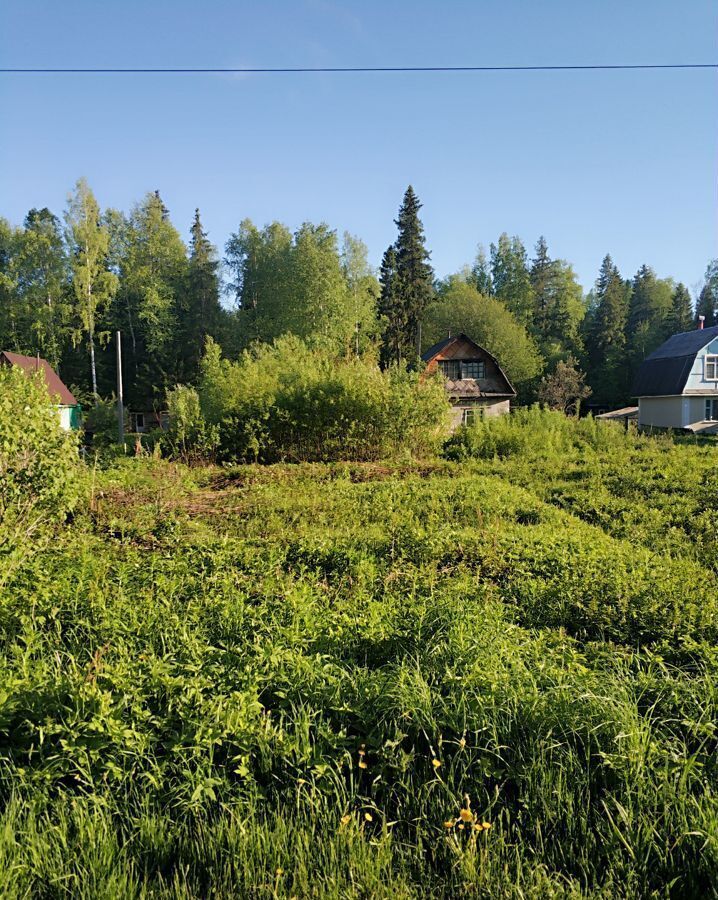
[(449, 823), (345, 820), (362, 764), (369, 817), (462, 743), (436, 763), (466, 815), (486, 825), (461, 826)]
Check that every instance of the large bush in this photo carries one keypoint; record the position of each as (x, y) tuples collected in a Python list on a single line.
[(39, 470), (286, 401)]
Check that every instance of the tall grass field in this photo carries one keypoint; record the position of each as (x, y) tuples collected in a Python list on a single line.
[(493, 674)]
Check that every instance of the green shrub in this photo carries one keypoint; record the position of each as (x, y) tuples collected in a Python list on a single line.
[(535, 431), (189, 437), (287, 401), (39, 469)]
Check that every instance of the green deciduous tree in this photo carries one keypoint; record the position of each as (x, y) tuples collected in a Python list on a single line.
[(564, 388), (363, 290), (510, 277), (481, 273), (707, 305), (459, 307), (42, 284), (93, 284)]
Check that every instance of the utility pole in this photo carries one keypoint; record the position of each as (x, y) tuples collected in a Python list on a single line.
[(120, 404)]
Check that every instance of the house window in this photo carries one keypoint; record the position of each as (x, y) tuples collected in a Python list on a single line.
[(139, 421), (471, 415), (473, 368), (450, 369), (711, 409), (456, 370), (711, 368)]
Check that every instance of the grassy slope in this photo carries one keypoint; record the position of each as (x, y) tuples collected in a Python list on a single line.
[(190, 672)]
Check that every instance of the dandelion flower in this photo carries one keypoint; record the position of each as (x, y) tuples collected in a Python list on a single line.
[(486, 825), (362, 764), (345, 820), (449, 823), (436, 763), (466, 815), (461, 826), (369, 817)]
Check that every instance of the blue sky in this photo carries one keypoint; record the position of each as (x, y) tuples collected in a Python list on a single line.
[(619, 162)]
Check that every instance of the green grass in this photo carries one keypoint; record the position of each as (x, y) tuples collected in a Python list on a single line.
[(192, 672)]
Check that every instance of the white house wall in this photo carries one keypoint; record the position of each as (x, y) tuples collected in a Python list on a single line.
[(661, 412), (65, 417), (696, 379)]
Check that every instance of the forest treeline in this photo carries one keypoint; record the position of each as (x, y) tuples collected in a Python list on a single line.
[(67, 284)]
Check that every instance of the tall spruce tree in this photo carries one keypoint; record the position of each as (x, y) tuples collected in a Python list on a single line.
[(414, 288), (681, 315), (606, 339), (199, 307), (391, 311)]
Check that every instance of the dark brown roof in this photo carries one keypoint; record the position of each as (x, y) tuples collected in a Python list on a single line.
[(55, 387), (429, 354)]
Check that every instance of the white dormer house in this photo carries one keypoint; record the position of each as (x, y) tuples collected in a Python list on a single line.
[(677, 385)]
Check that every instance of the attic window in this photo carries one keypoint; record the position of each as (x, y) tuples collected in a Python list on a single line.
[(456, 370), (473, 369), (711, 368)]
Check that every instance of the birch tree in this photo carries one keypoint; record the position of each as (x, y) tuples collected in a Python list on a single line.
[(93, 284)]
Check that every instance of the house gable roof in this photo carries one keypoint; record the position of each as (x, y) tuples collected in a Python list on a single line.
[(665, 372), (433, 351), (31, 364)]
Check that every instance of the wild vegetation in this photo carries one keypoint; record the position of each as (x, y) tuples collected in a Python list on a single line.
[(65, 291), (492, 674)]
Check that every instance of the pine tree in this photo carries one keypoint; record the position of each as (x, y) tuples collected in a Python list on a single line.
[(541, 276), (391, 311), (414, 282), (608, 364), (681, 315), (200, 308)]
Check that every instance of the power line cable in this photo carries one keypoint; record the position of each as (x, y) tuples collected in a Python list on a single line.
[(348, 69)]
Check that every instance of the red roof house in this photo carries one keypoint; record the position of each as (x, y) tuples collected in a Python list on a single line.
[(63, 397)]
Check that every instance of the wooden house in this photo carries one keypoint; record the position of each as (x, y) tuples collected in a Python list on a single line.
[(68, 408), (475, 382)]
